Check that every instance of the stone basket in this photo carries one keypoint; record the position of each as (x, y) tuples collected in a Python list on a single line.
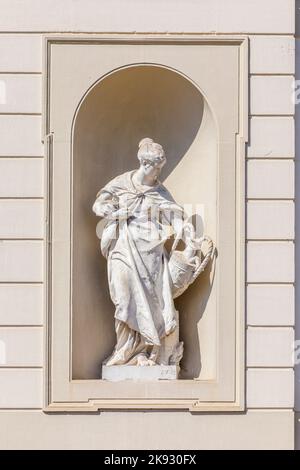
[(184, 271)]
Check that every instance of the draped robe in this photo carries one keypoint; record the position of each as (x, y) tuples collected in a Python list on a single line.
[(138, 273)]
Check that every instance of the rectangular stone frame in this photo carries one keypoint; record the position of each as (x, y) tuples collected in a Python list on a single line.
[(225, 395)]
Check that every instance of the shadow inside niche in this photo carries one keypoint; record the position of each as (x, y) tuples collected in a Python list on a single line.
[(120, 110), (191, 306)]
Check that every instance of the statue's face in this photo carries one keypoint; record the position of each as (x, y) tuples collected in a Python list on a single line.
[(154, 166)]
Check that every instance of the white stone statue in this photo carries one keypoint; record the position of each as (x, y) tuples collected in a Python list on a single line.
[(143, 277)]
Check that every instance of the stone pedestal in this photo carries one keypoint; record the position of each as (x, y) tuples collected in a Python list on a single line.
[(139, 373)]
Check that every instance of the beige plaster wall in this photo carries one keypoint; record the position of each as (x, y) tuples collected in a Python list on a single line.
[(270, 253), (297, 228), (113, 430)]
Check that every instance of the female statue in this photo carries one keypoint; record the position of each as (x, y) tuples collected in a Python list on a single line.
[(143, 280)]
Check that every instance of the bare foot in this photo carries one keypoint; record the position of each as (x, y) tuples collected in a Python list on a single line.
[(142, 360), (151, 362)]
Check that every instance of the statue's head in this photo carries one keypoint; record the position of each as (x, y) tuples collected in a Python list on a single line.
[(151, 156)]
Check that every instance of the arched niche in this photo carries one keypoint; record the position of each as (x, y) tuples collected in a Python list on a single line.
[(112, 117)]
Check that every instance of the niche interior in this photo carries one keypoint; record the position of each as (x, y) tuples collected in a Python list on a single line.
[(113, 116)]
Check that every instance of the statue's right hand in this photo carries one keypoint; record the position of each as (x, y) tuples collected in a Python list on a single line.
[(121, 214)]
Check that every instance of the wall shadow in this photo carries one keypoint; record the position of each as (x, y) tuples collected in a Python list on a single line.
[(191, 306), (115, 115)]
